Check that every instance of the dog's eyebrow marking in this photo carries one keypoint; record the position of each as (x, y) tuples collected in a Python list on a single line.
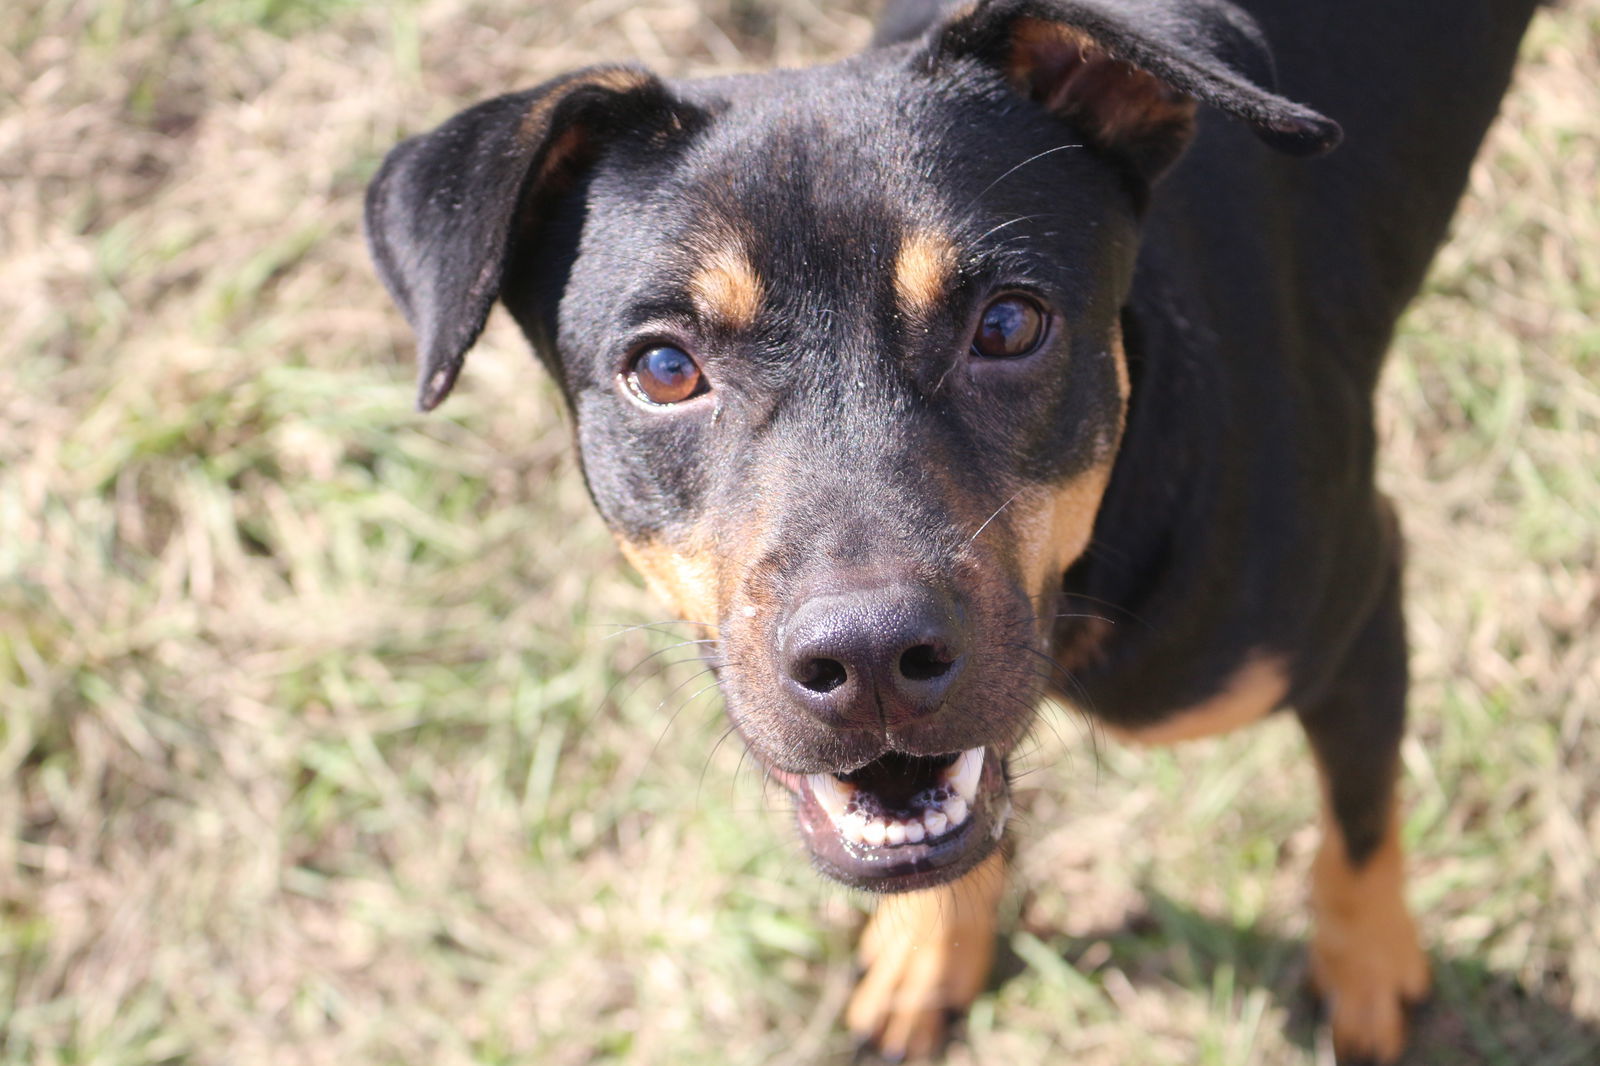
[(725, 286), (922, 271)]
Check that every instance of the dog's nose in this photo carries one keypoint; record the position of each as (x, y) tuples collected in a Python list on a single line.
[(873, 657)]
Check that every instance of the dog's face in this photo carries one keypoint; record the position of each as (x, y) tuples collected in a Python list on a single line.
[(855, 409), (843, 351)]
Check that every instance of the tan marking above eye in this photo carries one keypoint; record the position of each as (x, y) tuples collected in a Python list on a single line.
[(725, 287), (922, 271)]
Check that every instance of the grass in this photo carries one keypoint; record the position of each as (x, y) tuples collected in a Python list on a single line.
[(327, 733)]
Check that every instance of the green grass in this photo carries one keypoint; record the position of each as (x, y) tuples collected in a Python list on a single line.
[(326, 733)]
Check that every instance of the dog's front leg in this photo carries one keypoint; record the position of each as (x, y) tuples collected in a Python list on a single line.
[(1366, 960), (927, 955)]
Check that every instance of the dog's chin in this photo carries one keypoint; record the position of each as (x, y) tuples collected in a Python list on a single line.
[(903, 822)]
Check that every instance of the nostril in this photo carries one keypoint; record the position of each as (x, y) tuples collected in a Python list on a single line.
[(924, 663), (821, 675)]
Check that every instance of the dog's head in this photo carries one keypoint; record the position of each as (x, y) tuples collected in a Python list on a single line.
[(844, 354)]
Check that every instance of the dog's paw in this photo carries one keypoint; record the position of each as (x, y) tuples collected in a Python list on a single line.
[(904, 1003), (927, 956), (1369, 970), (1366, 961)]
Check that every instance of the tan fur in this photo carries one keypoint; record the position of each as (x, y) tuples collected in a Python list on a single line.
[(567, 147), (1053, 525), (1037, 44), (1366, 960), (725, 287), (536, 120), (922, 272), (1119, 356), (1255, 690), (618, 81), (1067, 71), (683, 576), (926, 954)]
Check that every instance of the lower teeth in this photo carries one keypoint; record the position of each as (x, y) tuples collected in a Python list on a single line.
[(936, 811)]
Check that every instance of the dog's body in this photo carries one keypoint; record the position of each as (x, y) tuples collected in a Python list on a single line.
[(945, 376)]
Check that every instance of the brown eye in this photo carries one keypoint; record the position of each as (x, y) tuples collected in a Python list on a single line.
[(1011, 326), (665, 375)]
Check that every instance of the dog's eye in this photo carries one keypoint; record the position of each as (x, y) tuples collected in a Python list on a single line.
[(1010, 326), (665, 375)]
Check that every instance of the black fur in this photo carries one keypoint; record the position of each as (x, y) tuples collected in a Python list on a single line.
[(849, 439)]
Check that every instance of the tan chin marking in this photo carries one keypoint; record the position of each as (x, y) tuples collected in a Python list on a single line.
[(922, 271), (725, 287), (1366, 960), (686, 580), (1254, 691)]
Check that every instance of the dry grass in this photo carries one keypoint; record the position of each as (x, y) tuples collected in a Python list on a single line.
[(321, 740)]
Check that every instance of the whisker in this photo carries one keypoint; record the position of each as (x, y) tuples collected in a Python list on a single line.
[(623, 630), (996, 514), (705, 767), (1031, 159), (992, 230)]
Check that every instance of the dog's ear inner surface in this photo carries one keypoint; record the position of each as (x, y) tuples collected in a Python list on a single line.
[(447, 209), (1128, 72)]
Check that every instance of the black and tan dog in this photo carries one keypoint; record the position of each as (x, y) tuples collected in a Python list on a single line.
[(904, 372)]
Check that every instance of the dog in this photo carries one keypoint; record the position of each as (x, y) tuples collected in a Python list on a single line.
[(910, 376)]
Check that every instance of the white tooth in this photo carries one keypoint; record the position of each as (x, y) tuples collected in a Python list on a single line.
[(962, 775), (853, 827), (915, 832), (895, 832), (936, 822), (874, 832), (955, 809), (833, 795)]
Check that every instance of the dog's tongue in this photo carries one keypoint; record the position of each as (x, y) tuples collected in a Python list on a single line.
[(900, 799)]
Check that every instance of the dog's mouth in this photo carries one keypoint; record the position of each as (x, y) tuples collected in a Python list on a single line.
[(903, 822)]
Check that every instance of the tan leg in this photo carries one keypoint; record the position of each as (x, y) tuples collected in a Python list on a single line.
[(1366, 961), (927, 954)]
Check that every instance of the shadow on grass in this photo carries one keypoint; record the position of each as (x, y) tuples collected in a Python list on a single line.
[(1476, 1016)]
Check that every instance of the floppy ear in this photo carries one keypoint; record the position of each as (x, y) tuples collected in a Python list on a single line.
[(446, 211), (1128, 72)]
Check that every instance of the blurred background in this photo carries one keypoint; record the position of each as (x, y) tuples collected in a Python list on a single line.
[(332, 733)]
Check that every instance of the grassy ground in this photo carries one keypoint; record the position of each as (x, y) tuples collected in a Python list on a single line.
[(323, 738)]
